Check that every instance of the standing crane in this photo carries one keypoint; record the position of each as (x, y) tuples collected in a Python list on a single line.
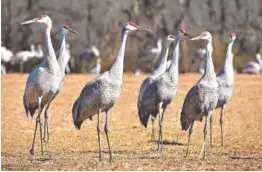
[(43, 82), (254, 67), (202, 99), (6, 57), (100, 94), (158, 95), (161, 68), (225, 80), (63, 58)]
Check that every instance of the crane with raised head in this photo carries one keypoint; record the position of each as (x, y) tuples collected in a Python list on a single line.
[(201, 100), (161, 68), (158, 95), (100, 94), (44, 80), (63, 58), (225, 80)]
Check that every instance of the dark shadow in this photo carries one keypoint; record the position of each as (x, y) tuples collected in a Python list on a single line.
[(245, 157), (167, 142)]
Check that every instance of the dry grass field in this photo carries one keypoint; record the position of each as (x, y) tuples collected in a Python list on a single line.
[(70, 149)]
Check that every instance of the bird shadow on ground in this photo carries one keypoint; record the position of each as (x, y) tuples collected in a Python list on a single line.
[(168, 142)]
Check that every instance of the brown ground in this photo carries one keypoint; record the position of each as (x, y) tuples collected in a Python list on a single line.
[(70, 149)]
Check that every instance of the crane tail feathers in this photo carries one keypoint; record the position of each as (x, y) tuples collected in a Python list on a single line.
[(142, 116), (28, 108), (76, 116)]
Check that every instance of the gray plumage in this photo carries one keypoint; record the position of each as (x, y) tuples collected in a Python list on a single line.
[(160, 92), (43, 82), (202, 99), (63, 58), (225, 80), (100, 94), (156, 73)]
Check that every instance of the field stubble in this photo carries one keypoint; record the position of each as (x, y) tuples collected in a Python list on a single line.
[(70, 149)]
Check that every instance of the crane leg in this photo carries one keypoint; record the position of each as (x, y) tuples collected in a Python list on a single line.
[(203, 151), (153, 128), (106, 132), (46, 129), (36, 124), (222, 124), (98, 134), (163, 113), (160, 141), (211, 129), (189, 138)]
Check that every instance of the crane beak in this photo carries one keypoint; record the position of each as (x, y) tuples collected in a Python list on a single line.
[(195, 38), (145, 29), (73, 31), (30, 21)]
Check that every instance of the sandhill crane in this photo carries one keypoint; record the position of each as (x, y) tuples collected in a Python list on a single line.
[(63, 59), (39, 52), (3, 69), (100, 94), (202, 99), (160, 92), (24, 56), (90, 54), (97, 68), (225, 80), (161, 68), (152, 55), (43, 82), (254, 67)]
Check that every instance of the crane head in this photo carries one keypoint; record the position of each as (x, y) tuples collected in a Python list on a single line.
[(204, 36), (131, 26), (43, 18), (232, 36), (65, 29), (183, 32)]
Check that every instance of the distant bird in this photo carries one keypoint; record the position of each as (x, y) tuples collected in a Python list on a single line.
[(152, 55), (225, 80), (156, 51), (63, 58), (43, 82), (89, 53), (97, 68), (67, 69), (6, 55), (161, 68), (100, 94), (24, 56), (254, 67), (39, 52), (158, 95), (202, 99)]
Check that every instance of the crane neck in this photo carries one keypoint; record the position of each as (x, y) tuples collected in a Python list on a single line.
[(117, 67), (209, 73), (63, 56), (173, 69), (51, 57), (228, 63), (163, 60)]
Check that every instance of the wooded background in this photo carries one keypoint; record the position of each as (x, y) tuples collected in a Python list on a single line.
[(99, 23)]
